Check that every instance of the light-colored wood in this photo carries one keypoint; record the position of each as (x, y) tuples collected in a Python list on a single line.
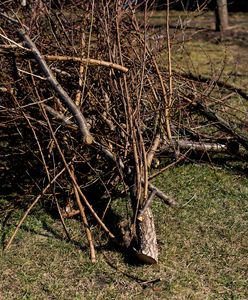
[(147, 251)]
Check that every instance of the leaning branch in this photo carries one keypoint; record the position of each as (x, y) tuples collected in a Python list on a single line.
[(221, 123), (87, 137)]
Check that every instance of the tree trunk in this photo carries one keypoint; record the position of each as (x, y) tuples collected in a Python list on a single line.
[(221, 15)]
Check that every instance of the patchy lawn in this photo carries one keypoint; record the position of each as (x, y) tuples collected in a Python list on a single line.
[(203, 246)]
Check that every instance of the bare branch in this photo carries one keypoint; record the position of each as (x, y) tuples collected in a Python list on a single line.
[(87, 137)]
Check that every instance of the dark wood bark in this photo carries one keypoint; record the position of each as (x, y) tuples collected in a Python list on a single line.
[(221, 15)]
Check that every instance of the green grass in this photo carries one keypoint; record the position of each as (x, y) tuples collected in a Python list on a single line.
[(203, 248)]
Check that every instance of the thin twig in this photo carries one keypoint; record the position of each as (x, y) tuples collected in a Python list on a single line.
[(31, 207), (62, 218), (169, 104), (86, 225), (181, 158)]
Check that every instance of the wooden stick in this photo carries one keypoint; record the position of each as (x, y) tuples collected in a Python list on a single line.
[(153, 149), (79, 94), (86, 225), (61, 218), (87, 137), (87, 61), (229, 147)]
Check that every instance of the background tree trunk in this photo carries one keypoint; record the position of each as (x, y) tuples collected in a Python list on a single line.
[(221, 15)]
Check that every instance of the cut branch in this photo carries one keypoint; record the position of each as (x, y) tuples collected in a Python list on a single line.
[(86, 225), (87, 61), (229, 147), (147, 240)]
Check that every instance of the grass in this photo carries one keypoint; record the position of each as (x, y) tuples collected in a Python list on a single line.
[(203, 247), (197, 49), (212, 60)]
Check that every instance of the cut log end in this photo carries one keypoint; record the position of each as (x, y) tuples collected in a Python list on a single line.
[(88, 139), (147, 240)]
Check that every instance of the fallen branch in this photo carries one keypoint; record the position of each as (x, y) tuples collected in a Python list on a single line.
[(219, 83), (221, 123), (228, 147), (218, 122)]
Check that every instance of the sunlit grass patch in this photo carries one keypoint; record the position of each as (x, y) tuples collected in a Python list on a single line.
[(206, 243)]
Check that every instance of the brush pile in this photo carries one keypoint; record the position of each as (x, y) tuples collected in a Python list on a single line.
[(87, 108)]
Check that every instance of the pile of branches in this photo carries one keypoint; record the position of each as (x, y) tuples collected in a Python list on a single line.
[(86, 107)]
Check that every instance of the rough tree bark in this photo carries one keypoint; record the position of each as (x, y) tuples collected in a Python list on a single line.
[(221, 15)]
